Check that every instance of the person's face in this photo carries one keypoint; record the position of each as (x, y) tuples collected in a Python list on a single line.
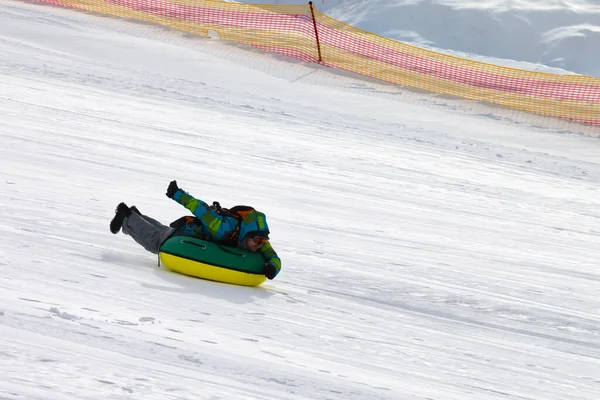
[(254, 244)]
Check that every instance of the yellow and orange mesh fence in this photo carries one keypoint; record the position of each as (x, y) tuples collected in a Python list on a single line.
[(303, 32)]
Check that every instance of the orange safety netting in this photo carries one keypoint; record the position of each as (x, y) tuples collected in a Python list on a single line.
[(303, 32)]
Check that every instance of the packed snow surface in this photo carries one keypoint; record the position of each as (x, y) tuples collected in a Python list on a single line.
[(432, 248)]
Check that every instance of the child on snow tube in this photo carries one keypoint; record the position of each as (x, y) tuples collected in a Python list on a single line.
[(250, 232)]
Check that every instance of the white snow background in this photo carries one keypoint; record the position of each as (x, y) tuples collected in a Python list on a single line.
[(432, 248), (558, 36)]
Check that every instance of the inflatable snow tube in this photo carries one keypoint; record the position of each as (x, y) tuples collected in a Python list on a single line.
[(211, 261)]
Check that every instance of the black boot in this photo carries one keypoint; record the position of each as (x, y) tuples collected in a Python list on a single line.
[(134, 209), (121, 213)]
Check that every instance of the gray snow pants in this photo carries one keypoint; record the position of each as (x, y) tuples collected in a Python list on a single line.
[(146, 231)]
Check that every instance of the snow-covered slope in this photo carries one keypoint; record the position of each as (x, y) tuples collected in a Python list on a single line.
[(431, 250), (551, 35)]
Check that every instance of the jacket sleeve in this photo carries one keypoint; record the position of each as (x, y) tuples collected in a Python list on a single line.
[(217, 225), (271, 256)]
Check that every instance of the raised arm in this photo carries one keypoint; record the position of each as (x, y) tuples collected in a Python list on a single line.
[(217, 225)]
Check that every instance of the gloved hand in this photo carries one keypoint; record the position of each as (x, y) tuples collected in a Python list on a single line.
[(172, 189), (270, 270)]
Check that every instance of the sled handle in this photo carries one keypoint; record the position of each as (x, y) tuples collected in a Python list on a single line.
[(224, 248), (202, 246)]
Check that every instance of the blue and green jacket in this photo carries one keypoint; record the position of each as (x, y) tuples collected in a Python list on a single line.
[(219, 228)]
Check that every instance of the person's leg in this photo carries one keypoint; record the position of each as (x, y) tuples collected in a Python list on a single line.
[(150, 235), (152, 221)]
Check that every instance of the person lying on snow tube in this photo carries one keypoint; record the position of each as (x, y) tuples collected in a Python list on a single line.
[(250, 233)]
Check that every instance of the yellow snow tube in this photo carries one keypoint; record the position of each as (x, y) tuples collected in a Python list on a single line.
[(206, 260)]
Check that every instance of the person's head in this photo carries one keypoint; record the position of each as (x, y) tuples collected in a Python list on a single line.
[(254, 231), (255, 240)]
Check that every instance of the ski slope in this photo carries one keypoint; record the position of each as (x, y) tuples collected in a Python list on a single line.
[(432, 248)]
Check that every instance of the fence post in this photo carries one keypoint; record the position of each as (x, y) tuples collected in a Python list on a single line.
[(312, 12)]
